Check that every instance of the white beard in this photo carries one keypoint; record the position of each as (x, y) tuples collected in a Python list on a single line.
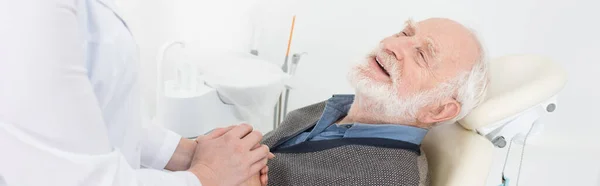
[(379, 98), (383, 98)]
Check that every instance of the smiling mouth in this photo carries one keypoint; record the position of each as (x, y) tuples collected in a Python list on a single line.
[(381, 66)]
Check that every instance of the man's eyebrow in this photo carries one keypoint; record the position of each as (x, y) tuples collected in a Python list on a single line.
[(410, 26), (431, 48), (430, 45)]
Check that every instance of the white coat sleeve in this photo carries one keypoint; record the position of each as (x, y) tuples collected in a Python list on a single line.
[(158, 146), (51, 128)]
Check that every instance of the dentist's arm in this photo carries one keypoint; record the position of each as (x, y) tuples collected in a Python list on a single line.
[(51, 128), (164, 149)]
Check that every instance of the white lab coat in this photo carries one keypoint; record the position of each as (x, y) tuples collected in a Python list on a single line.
[(70, 102)]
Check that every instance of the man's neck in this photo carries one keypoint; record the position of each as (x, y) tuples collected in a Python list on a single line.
[(360, 113)]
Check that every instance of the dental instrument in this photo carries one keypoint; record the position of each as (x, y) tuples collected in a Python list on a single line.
[(278, 108)]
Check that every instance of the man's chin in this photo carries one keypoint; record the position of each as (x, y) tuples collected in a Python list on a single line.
[(386, 111), (367, 86)]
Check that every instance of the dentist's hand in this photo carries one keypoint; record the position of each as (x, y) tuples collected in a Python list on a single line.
[(226, 156)]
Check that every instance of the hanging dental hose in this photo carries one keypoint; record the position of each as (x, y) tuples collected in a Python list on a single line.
[(518, 130), (506, 180)]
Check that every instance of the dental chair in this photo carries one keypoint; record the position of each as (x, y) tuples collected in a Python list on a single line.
[(522, 89)]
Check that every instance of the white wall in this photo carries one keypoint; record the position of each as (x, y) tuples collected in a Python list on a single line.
[(336, 33)]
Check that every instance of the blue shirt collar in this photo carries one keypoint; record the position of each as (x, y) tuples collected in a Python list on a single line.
[(341, 102)]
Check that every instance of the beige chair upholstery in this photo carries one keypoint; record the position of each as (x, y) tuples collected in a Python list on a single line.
[(457, 155)]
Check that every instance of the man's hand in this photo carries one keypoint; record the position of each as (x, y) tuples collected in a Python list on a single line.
[(226, 156)]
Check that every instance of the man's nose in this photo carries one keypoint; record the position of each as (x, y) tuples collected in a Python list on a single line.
[(399, 46)]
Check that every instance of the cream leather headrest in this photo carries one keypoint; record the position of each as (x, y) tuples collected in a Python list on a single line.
[(516, 83)]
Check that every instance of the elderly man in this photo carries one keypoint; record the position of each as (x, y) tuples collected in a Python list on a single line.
[(430, 73)]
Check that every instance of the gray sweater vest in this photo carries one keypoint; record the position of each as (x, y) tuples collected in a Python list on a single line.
[(348, 161)]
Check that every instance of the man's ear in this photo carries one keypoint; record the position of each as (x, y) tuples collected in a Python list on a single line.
[(444, 111)]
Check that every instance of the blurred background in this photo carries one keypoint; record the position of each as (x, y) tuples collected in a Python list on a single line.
[(337, 33)]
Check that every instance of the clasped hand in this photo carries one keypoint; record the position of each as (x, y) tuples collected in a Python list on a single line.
[(230, 156)]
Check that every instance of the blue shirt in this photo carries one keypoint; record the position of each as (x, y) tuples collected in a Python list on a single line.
[(338, 107)]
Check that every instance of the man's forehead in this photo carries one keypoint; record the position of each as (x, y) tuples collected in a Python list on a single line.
[(436, 28), (448, 37)]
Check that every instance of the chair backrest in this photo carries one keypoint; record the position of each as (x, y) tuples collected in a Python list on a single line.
[(517, 83), (456, 154)]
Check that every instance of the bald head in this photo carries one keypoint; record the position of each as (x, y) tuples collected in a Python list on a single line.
[(422, 69), (458, 47)]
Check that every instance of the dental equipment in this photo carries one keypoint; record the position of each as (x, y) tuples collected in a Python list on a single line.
[(295, 61), (278, 108), (215, 88), (179, 101), (287, 52)]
